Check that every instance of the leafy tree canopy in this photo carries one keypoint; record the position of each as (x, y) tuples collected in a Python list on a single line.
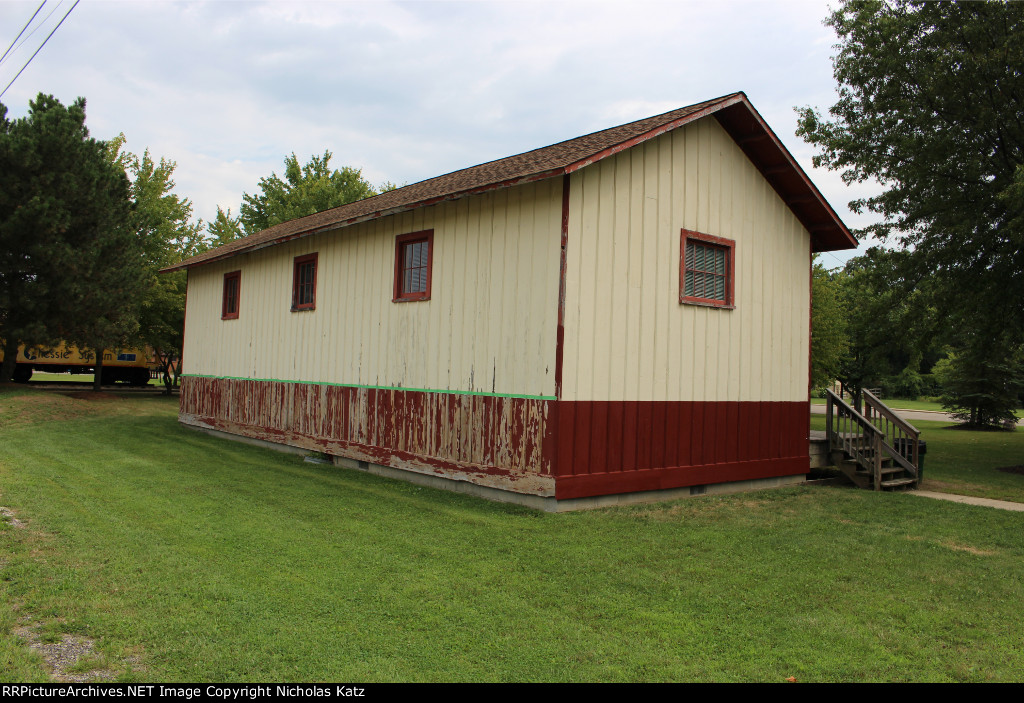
[(163, 221), (890, 330), (224, 228), (305, 190), (830, 342), (931, 98)]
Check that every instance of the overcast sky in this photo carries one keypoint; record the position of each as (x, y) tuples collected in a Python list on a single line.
[(408, 90)]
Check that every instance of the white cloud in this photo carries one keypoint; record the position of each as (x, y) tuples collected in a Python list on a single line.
[(410, 90)]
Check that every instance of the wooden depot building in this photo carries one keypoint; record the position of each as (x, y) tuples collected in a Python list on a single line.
[(622, 313)]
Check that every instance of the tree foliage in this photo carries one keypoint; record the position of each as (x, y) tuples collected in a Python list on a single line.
[(69, 256), (982, 385), (224, 228), (892, 332), (163, 221), (931, 98), (830, 342), (304, 190)]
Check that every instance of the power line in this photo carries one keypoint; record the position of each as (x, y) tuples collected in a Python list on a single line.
[(35, 29), (40, 47), (23, 30)]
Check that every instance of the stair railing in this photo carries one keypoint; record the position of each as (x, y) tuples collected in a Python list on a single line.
[(872, 438), (898, 434), (848, 430)]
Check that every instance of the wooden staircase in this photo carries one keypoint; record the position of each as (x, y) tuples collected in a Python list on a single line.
[(877, 450)]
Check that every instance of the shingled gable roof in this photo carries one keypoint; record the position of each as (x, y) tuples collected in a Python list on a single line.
[(734, 112)]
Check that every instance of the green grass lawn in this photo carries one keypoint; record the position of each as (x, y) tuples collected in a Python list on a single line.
[(84, 378), (903, 404), (966, 462), (189, 558)]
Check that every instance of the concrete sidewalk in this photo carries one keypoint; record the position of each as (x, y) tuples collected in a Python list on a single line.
[(971, 500)]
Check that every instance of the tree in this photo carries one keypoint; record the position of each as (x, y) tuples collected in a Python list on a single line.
[(892, 333), (305, 190), (224, 228), (982, 385), (930, 102), (163, 221), (830, 342), (68, 255)]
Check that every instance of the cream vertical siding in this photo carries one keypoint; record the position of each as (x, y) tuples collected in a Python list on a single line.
[(489, 327), (627, 337)]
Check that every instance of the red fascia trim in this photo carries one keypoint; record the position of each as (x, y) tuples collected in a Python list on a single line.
[(730, 270), (794, 167), (657, 132), (560, 333), (224, 314), (299, 260), (426, 235)]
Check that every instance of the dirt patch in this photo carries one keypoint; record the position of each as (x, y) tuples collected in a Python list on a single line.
[(1019, 469), (71, 652), (956, 547), (89, 395), (930, 484), (8, 516)]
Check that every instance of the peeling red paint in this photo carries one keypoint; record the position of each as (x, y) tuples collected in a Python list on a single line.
[(570, 449)]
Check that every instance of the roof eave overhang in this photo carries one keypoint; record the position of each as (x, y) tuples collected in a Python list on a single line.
[(455, 195), (736, 115), (771, 157)]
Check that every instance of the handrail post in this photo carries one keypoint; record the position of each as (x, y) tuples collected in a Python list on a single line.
[(828, 423), (878, 461)]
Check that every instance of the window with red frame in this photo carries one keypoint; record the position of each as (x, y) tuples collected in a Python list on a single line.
[(304, 283), (232, 291), (413, 258), (706, 270)]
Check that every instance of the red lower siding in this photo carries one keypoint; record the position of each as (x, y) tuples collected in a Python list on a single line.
[(584, 448), (605, 447)]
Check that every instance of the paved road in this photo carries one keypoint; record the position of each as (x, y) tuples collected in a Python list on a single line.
[(911, 415)]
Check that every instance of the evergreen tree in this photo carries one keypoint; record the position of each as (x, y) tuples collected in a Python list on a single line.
[(69, 258), (982, 385)]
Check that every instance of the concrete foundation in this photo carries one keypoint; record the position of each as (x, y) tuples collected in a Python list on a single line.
[(547, 504)]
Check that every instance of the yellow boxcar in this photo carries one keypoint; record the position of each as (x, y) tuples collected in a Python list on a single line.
[(119, 365)]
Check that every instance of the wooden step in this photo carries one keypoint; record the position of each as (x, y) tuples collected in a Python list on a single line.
[(885, 470), (897, 482)]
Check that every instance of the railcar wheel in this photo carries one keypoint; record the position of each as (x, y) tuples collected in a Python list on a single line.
[(22, 373)]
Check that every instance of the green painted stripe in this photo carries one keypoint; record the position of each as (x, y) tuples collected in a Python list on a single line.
[(379, 388)]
